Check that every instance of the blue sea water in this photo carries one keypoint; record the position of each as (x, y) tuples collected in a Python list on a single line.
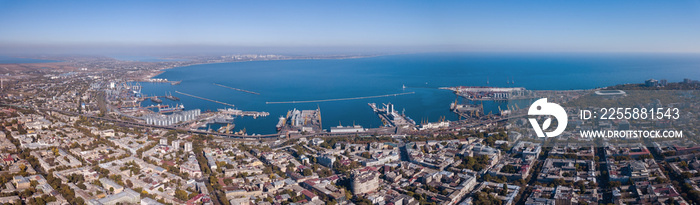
[(297, 80), (13, 60)]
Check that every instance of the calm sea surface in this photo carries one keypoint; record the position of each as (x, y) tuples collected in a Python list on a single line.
[(298, 80)]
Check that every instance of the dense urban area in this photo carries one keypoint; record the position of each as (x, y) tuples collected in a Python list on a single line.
[(74, 132)]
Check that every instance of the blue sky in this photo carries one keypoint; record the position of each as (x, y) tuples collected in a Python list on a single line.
[(589, 26)]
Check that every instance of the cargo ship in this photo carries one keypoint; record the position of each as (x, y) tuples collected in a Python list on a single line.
[(280, 124), (168, 109), (170, 96), (224, 119), (156, 100), (226, 129)]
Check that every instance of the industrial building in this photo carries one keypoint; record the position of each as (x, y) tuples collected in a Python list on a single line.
[(167, 120)]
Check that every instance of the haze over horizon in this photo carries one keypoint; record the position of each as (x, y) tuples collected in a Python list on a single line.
[(346, 27)]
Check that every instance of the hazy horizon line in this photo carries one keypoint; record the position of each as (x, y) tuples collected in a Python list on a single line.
[(203, 49)]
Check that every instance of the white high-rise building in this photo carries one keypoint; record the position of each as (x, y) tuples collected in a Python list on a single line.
[(176, 144), (188, 146)]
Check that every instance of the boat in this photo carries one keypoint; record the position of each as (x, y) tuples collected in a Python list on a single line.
[(409, 120), (226, 129), (171, 97), (225, 119), (171, 109), (156, 100), (280, 124)]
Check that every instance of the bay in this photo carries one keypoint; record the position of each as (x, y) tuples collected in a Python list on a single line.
[(300, 80)]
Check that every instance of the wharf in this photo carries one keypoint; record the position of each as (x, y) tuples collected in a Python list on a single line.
[(382, 114), (201, 98), (253, 114), (340, 99), (237, 89), (390, 117)]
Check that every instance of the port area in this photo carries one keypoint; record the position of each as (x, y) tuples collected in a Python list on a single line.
[(391, 118), (160, 80), (476, 93), (466, 110), (125, 98), (222, 117), (235, 112), (164, 108), (169, 109), (300, 122), (157, 99), (206, 120)]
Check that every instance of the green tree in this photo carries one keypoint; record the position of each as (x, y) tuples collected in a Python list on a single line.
[(181, 194), (307, 172), (366, 155)]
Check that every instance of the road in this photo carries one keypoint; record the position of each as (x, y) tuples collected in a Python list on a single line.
[(266, 136)]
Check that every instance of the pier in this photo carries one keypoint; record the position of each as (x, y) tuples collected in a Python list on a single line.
[(301, 120), (210, 100), (156, 98), (382, 115), (237, 89), (340, 99), (391, 117), (156, 106), (253, 114), (488, 93)]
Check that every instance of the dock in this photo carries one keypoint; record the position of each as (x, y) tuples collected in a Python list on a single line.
[(169, 109), (476, 93), (340, 99), (466, 111), (237, 89), (254, 114), (391, 117), (201, 98), (382, 115), (301, 120), (158, 98)]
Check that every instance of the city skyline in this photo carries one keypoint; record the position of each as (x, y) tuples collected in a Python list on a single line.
[(349, 102), (348, 27)]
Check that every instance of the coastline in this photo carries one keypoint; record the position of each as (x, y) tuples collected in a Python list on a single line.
[(153, 74)]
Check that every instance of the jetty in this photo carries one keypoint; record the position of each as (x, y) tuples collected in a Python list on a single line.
[(340, 99), (201, 98), (235, 112), (237, 89)]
